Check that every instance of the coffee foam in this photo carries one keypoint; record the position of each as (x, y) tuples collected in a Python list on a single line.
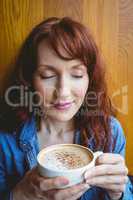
[(66, 158)]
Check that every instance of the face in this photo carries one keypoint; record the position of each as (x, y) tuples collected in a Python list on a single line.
[(62, 84)]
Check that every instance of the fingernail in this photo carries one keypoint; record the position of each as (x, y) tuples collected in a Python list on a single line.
[(86, 175), (87, 186), (90, 181), (62, 182), (87, 181)]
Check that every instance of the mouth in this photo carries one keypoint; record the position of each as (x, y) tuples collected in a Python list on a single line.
[(63, 105)]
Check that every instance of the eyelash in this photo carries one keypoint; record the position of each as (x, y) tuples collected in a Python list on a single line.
[(48, 77), (78, 76)]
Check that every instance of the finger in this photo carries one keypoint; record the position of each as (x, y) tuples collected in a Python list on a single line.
[(105, 180), (71, 192), (78, 195), (50, 194), (105, 169), (34, 176), (109, 158), (53, 183), (114, 195), (114, 187)]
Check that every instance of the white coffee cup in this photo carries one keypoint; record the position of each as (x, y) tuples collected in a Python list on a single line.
[(75, 175)]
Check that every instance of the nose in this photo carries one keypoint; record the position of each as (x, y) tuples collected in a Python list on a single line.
[(64, 88)]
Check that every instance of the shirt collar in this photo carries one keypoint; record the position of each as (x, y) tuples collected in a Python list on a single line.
[(28, 129)]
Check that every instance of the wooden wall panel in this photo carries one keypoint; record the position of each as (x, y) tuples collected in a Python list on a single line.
[(112, 25), (125, 61), (111, 22), (17, 17), (61, 8)]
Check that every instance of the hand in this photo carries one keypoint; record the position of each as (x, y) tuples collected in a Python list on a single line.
[(110, 173), (35, 187)]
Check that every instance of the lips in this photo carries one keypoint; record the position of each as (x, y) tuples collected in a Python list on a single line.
[(63, 105)]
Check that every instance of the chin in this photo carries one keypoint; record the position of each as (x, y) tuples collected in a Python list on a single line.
[(61, 117)]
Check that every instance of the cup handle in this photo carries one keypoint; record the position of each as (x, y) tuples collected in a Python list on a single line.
[(97, 154)]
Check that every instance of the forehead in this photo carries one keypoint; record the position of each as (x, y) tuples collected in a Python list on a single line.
[(47, 56)]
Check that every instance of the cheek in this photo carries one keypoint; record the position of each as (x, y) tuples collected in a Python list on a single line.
[(80, 92), (44, 93), (47, 94)]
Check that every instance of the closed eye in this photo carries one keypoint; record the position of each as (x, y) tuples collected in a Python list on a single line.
[(77, 76), (47, 77)]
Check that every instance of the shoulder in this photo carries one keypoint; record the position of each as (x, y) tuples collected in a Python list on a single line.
[(7, 145), (116, 128), (118, 136), (4, 136), (26, 128), (6, 140), (114, 122)]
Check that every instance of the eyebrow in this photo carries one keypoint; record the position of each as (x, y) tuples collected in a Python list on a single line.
[(52, 67)]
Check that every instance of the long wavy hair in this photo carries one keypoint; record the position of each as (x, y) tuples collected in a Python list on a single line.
[(93, 118)]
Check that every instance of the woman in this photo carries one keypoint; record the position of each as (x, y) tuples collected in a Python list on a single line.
[(58, 94)]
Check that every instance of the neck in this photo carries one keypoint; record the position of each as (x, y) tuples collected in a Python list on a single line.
[(55, 127)]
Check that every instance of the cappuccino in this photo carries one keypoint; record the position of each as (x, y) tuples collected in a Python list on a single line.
[(66, 158)]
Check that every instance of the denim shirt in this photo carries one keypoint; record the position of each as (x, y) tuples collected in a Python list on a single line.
[(18, 153)]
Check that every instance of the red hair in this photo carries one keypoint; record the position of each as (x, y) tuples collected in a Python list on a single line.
[(78, 42)]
